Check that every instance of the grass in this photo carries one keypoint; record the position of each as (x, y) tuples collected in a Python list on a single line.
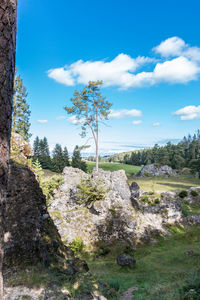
[(182, 182), (162, 269), (129, 169)]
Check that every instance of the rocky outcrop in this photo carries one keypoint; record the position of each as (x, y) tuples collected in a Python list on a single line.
[(126, 260), (30, 234), (20, 149), (125, 213), (155, 170)]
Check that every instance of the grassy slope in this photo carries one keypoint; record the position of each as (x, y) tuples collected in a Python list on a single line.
[(161, 271), (182, 182), (129, 169)]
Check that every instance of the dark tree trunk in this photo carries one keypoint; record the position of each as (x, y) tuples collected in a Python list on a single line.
[(7, 70)]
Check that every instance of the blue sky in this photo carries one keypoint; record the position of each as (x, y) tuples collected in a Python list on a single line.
[(146, 52)]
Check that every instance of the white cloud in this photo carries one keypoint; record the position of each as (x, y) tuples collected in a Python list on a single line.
[(175, 46), (60, 117), (137, 122), (42, 121), (156, 124), (74, 120), (123, 113), (189, 112), (170, 47), (180, 63)]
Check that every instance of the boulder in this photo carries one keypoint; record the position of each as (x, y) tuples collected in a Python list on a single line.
[(126, 260), (155, 170), (30, 234), (120, 215)]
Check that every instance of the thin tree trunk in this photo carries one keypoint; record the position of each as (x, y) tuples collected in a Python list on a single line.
[(7, 71), (97, 142)]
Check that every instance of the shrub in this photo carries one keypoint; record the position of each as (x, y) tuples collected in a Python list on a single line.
[(48, 186), (185, 209), (102, 251), (157, 201), (146, 173), (89, 191), (114, 284), (129, 251), (194, 193), (183, 194), (77, 245)]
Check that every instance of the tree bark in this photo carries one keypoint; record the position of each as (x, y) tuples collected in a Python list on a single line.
[(7, 71)]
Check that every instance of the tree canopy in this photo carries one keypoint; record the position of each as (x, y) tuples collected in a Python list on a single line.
[(89, 108)]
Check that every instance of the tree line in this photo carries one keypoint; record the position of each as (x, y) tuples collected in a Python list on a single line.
[(186, 154), (59, 158)]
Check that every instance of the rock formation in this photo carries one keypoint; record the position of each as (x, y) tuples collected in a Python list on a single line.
[(155, 170), (30, 235), (125, 213)]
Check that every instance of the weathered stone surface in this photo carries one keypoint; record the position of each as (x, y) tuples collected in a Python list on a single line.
[(126, 260), (120, 216), (30, 235), (154, 170), (20, 149), (7, 70)]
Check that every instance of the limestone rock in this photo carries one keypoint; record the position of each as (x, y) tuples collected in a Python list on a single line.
[(20, 149), (126, 260), (30, 235), (121, 215), (154, 170)]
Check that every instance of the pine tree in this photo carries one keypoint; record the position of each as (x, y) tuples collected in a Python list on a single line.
[(89, 107), (36, 148), (58, 160), (77, 160), (21, 111), (44, 158), (66, 157)]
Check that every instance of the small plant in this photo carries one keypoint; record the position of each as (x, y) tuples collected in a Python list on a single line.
[(194, 193), (157, 201), (102, 251), (89, 191), (114, 284), (48, 186), (146, 173), (129, 250), (183, 194), (77, 245)]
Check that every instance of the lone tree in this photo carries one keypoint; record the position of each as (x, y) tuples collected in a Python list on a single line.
[(7, 72), (89, 107)]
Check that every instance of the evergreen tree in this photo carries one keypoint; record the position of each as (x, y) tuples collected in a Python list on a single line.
[(66, 157), (58, 160), (77, 160), (41, 152), (21, 111), (44, 159), (90, 107), (36, 148)]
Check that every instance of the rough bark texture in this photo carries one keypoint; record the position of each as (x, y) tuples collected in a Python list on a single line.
[(7, 70)]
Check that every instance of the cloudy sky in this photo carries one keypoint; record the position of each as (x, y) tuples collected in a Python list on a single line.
[(146, 52)]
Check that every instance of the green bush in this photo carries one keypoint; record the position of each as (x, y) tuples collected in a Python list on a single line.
[(77, 245), (102, 251), (194, 193), (89, 191), (129, 251), (157, 201), (114, 283), (183, 194), (48, 185), (146, 173)]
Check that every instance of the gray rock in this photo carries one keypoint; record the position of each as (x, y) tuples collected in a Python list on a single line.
[(154, 170), (126, 260)]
